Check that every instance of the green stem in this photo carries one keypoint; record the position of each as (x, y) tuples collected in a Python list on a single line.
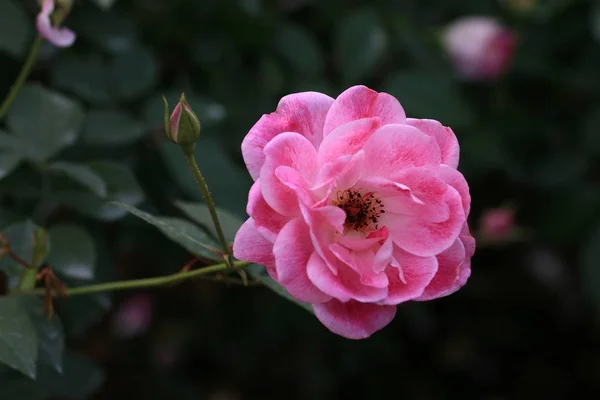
[(28, 279), (141, 283), (25, 70), (191, 160)]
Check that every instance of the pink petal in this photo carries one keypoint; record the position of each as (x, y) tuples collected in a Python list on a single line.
[(360, 102), (344, 286), (363, 263), (411, 277), (303, 113), (423, 238), (347, 139), (393, 148), (414, 192), (465, 269), (446, 139), (292, 250), (268, 221), (61, 37), (354, 320), (326, 225), (342, 173), (449, 263), (455, 179), (290, 150), (249, 245)]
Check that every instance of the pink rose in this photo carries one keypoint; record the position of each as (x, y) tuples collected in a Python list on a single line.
[(480, 47), (355, 208), (61, 37)]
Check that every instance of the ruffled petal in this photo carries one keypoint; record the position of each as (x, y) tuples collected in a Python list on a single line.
[(445, 137), (354, 320), (303, 113), (347, 139), (249, 245), (290, 150), (292, 251), (449, 264), (268, 221), (409, 277), (394, 148), (360, 102)]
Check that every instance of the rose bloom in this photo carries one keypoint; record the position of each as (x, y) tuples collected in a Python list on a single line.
[(355, 208), (480, 47), (61, 37)]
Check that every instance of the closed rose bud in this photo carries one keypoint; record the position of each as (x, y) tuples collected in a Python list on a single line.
[(50, 17), (497, 224), (480, 47), (183, 126)]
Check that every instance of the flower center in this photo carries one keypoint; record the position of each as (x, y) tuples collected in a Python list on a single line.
[(362, 210)]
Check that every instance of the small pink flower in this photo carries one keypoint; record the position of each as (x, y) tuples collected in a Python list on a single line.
[(133, 317), (61, 37), (497, 224), (355, 208), (480, 47)]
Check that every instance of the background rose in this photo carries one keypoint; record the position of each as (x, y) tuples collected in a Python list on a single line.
[(355, 208)]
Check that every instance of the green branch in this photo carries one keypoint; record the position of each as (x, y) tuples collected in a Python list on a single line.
[(141, 283)]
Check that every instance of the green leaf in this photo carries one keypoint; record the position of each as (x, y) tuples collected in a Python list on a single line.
[(121, 184), (81, 174), (49, 333), (18, 339), (10, 158), (228, 183), (133, 73), (199, 213), (111, 128), (259, 273), (85, 76), (73, 252), (300, 49), (188, 235), (360, 44), (111, 30), (79, 379), (15, 28), (21, 238), (428, 95), (43, 121)]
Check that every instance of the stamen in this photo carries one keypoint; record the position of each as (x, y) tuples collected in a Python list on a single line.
[(362, 212)]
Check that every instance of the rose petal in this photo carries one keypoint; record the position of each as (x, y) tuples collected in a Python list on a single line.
[(345, 286), (423, 238), (360, 102), (347, 139), (411, 277), (326, 225), (268, 221), (61, 37), (449, 263), (249, 245), (362, 262), (455, 179), (354, 320), (290, 150), (303, 113), (394, 148), (445, 137), (292, 251)]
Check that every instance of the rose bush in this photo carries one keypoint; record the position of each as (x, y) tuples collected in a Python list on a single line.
[(355, 208)]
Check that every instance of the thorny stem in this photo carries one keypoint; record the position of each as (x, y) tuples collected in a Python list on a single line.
[(25, 70), (140, 283), (191, 160)]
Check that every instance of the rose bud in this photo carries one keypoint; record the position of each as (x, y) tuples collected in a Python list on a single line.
[(183, 126)]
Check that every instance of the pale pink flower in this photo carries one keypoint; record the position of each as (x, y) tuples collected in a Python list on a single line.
[(355, 208), (61, 37), (497, 224), (480, 47), (133, 317)]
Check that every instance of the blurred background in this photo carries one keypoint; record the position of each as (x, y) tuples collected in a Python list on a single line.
[(525, 326)]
